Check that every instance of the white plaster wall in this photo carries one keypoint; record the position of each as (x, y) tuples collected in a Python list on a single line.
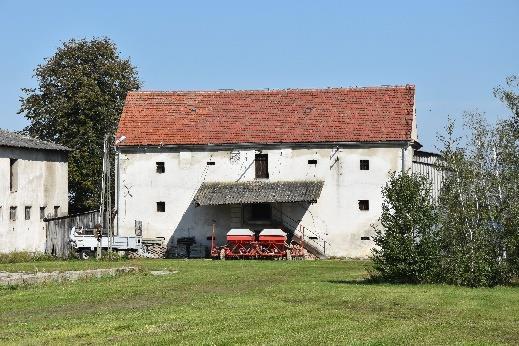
[(336, 216), (42, 181)]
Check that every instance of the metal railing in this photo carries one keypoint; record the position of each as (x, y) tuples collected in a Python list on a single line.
[(310, 240)]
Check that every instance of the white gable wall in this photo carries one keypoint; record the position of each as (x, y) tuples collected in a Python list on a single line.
[(42, 181), (336, 215)]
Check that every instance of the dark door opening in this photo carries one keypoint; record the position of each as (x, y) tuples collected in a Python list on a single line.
[(262, 166), (261, 212), (257, 213)]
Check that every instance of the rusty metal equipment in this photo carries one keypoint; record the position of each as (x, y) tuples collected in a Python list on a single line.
[(242, 243)]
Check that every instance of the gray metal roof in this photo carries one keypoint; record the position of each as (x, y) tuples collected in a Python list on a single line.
[(258, 191), (11, 139)]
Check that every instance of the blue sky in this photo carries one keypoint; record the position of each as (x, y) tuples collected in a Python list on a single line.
[(455, 52)]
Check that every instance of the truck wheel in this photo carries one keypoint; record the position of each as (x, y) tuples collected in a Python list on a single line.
[(85, 254)]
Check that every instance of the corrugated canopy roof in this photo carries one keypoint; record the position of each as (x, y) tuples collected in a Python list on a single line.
[(258, 191)]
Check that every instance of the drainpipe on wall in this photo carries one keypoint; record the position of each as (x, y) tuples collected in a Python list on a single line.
[(403, 158)]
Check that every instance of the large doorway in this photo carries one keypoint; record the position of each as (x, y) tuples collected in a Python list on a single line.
[(257, 214)]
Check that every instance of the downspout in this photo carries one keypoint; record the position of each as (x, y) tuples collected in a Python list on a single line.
[(403, 158)]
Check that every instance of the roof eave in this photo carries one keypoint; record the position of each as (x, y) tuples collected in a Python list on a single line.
[(64, 149), (397, 142)]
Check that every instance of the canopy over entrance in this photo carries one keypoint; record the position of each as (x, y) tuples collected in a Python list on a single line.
[(258, 192)]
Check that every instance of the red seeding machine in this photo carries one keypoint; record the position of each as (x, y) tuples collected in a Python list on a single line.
[(242, 243)]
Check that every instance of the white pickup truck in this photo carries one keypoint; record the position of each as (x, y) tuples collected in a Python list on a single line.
[(85, 242)]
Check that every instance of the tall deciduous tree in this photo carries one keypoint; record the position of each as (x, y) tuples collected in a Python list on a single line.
[(471, 232), (79, 99), (473, 238), (509, 94)]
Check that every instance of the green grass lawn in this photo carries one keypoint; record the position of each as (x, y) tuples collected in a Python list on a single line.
[(251, 302)]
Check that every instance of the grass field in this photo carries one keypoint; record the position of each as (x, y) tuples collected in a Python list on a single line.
[(249, 302)]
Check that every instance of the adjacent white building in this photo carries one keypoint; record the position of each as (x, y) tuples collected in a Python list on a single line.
[(312, 162), (33, 185)]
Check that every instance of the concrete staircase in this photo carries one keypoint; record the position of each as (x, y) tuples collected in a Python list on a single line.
[(314, 243)]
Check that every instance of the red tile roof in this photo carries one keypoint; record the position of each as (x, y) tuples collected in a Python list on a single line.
[(268, 116)]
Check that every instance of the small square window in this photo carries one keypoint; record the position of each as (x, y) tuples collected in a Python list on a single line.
[(56, 210), (27, 213), (42, 213), (161, 207), (364, 165), (12, 213), (363, 204), (161, 168), (312, 162)]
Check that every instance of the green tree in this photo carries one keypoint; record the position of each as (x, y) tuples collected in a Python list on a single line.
[(470, 212), (509, 95), (405, 239), (470, 235), (79, 99)]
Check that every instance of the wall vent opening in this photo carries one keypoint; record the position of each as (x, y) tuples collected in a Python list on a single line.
[(363, 204), (161, 207), (12, 213), (161, 168)]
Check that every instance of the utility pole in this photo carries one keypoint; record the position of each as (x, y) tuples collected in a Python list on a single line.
[(106, 194)]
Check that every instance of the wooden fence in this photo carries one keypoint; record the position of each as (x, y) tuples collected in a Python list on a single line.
[(58, 231)]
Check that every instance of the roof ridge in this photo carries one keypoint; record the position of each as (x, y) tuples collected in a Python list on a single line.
[(230, 90)]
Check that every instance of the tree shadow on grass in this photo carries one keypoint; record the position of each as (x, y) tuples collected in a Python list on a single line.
[(379, 281), (370, 280), (364, 281)]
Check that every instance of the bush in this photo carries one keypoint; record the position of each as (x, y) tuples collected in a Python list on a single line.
[(406, 242)]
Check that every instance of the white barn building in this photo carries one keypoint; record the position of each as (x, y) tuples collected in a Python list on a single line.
[(308, 161), (33, 185)]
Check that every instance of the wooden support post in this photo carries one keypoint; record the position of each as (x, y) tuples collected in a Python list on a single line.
[(213, 236), (303, 240)]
